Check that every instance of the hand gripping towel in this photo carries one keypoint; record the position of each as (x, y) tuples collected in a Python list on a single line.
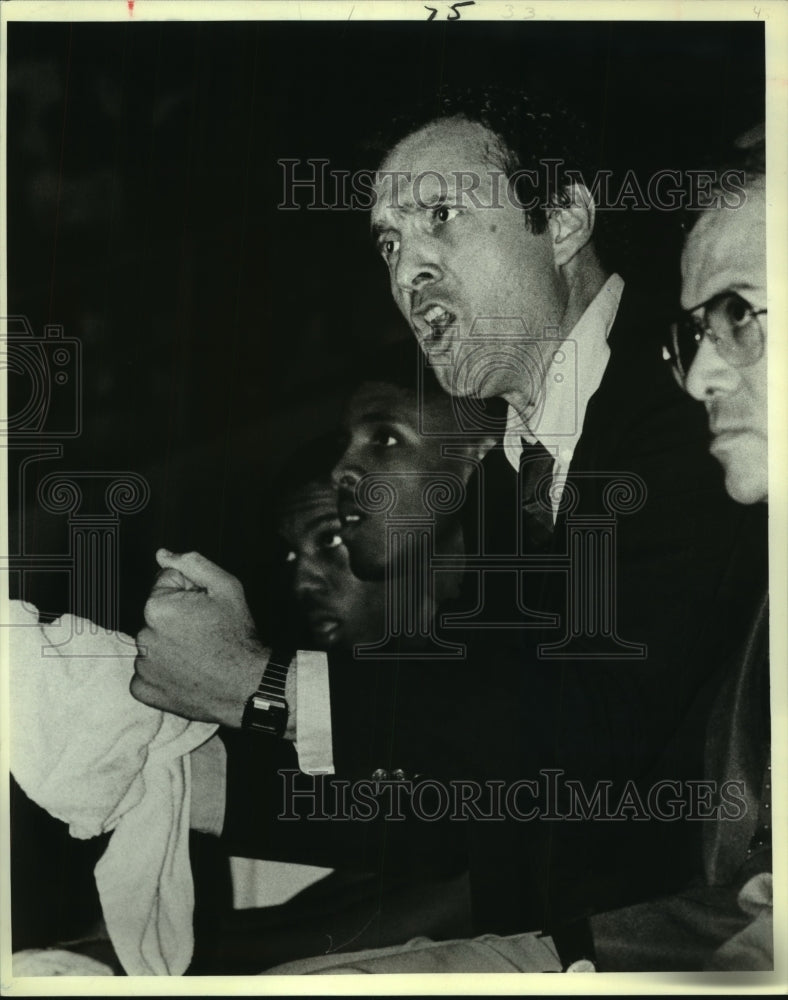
[(93, 756)]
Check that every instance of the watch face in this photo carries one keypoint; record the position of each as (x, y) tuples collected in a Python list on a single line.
[(264, 703), (265, 714)]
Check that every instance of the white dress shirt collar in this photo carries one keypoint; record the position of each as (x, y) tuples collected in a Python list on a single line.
[(573, 376)]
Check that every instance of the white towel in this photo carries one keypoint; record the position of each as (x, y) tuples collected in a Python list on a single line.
[(56, 962), (90, 754)]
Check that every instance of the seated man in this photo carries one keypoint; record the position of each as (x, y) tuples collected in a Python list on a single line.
[(718, 351), (619, 646), (320, 605), (327, 607), (627, 607), (376, 737)]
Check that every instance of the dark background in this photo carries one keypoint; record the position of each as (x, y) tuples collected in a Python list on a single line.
[(215, 328)]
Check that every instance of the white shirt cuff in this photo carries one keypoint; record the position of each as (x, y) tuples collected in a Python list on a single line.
[(313, 713)]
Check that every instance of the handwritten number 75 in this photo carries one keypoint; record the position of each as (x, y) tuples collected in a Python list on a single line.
[(455, 14)]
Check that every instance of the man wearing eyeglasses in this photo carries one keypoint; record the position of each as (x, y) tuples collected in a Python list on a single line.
[(490, 290), (718, 352), (718, 347), (501, 298), (722, 919)]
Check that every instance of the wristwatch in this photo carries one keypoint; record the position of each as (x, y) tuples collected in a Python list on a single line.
[(266, 711)]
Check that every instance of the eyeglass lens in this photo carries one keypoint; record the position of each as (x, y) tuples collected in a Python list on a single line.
[(730, 322)]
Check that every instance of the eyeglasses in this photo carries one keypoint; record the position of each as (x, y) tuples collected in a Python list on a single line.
[(730, 323)]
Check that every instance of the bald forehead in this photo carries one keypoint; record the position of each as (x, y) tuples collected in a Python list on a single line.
[(726, 251), (456, 136), (430, 165)]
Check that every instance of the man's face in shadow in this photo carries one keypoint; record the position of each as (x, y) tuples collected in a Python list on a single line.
[(336, 608), (398, 442)]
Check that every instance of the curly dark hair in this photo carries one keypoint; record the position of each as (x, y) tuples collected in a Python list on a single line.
[(530, 132)]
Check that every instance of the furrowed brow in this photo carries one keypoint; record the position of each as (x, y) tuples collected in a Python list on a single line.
[(377, 229), (440, 198), (401, 209)]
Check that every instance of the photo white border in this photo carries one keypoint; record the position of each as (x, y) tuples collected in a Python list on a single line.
[(774, 13)]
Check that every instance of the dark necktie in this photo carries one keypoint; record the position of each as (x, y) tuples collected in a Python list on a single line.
[(536, 462)]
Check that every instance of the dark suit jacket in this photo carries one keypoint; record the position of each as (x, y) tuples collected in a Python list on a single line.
[(684, 930), (686, 562), (690, 566), (396, 878), (378, 722)]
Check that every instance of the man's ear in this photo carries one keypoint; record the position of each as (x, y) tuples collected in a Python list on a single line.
[(571, 225)]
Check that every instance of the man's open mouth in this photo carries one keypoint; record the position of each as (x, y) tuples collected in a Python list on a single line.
[(349, 514), (438, 320)]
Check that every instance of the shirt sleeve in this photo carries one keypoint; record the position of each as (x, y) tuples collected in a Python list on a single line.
[(313, 744)]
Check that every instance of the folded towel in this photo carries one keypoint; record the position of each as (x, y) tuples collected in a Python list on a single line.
[(91, 755), (56, 962)]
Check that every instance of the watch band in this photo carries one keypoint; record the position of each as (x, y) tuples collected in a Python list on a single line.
[(267, 711)]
